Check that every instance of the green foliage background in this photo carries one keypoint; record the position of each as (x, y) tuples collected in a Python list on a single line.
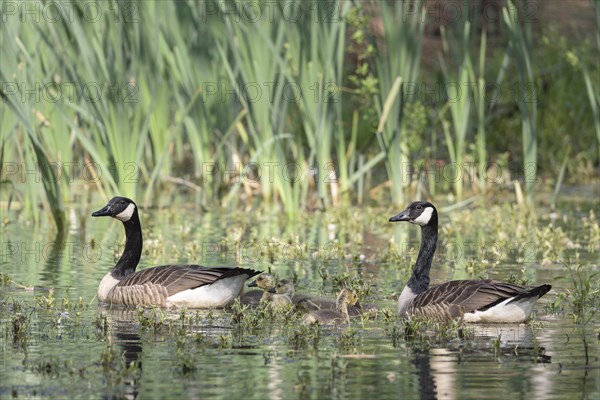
[(237, 104)]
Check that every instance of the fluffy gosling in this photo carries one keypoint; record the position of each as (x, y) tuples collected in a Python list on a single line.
[(345, 298)]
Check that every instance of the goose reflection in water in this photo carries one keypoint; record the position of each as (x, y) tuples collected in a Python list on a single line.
[(131, 349), (122, 327), (124, 336), (443, 374)]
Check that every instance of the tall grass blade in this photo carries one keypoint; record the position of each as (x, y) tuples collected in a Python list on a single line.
[(397, 61), (520, 49), (594, 99)]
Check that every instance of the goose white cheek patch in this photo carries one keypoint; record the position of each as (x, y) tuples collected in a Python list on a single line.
[(424, 218), (126, 214)]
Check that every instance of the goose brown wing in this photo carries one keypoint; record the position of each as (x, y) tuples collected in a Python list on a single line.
[(467, 295), (177, 278)]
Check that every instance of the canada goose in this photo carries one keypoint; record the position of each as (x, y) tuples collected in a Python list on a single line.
[(470, 300), (282, 293), (254, 297), (166, 285), (345, 298)]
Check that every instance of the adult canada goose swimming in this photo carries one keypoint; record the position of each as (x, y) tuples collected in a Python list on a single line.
[(471, 300), (166, 285), (345, 298), (264, 282)]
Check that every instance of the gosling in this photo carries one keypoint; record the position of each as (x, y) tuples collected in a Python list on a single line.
[(345, 298), (307, 304), (282, 293), (253, 298)]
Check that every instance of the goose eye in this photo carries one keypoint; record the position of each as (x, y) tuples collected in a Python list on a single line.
[(418, 207), (122, 202)]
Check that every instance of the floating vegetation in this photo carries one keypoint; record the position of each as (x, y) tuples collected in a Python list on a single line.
[(46, 301), (5, 280), (348, 340), (20, 327), (300, 336), (152, 318), (423, 331)]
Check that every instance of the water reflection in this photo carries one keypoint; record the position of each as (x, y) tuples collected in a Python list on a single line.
[(127, 330), (131, 346), (446, 372), (518, 340), (427, 384), (124, 333)]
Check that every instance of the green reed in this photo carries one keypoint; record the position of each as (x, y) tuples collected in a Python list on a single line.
[(163, 102), (459, 104), (480, 103), (397, 64), (29, 132), (255, 60), (520, 48), (592, 91), (316, 45)]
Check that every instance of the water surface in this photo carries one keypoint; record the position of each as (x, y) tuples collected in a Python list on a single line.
[(58, 343)]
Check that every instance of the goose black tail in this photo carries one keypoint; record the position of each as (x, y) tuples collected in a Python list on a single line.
[(537, 291)]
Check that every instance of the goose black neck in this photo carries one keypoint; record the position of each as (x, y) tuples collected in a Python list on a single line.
[(419, 281), (133, 248)]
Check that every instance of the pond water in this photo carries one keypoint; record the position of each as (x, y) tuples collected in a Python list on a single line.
[(58, 343)]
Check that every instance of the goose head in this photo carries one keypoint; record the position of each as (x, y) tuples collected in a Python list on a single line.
[(420, 212), (264, 281), (120, 208), (347, 297), (284, 287)]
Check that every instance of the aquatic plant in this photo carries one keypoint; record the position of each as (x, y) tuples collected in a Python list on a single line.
[(580, 302), (102, 326), (397, 66), (299, 336), (187, 364), (46, 301), (460, 109), (424, 332), (20, 326), (348, 339), (5, 279), (153, 318), (520, 48)]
